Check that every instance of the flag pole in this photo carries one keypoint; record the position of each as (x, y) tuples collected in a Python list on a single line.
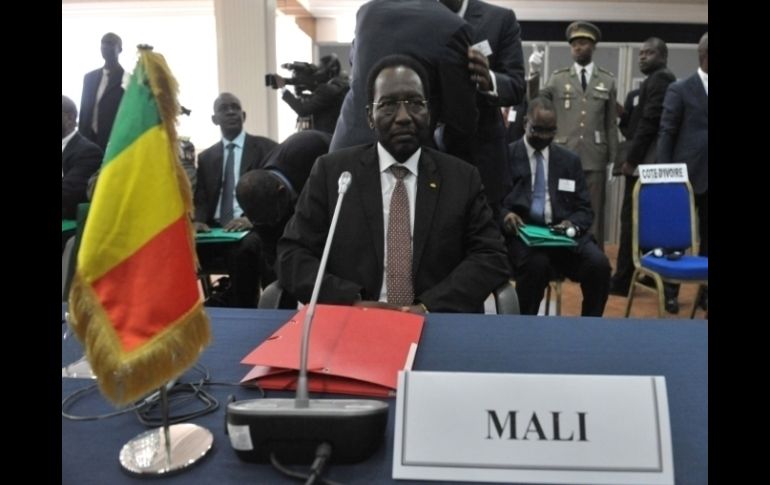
[(166, 431)]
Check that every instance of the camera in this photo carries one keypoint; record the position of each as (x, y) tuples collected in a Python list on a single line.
[(303, 77)]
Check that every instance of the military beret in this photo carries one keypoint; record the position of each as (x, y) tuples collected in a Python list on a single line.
[(583, 30)]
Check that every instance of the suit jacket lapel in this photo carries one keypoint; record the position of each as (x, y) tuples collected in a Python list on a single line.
[(699, 92), (218, 168), (367, 178), (248, 154), (428, 188)]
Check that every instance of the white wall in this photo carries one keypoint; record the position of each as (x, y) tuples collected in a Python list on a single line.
[(183, 31)]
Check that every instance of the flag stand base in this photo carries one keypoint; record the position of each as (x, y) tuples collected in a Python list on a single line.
[(145, 454), (79, 369)]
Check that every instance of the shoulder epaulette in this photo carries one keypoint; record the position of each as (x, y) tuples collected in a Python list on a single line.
[(605, 71)]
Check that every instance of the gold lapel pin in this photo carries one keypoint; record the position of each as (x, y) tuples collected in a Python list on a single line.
[(433, 185)]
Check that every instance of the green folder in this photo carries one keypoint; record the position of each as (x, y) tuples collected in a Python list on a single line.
[(68, 225), (543, 237), (218, 235)]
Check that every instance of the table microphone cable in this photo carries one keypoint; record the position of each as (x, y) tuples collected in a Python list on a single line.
[(322, 455)]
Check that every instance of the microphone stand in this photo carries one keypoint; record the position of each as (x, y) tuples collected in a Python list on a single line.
[(293, 429), (302, 384)]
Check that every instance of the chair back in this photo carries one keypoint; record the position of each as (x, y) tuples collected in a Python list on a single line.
[(506, 299), (663, 217)]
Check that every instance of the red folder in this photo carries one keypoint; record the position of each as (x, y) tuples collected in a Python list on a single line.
[(353, 350)]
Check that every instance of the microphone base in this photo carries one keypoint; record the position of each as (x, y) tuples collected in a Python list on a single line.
[(355, 429)]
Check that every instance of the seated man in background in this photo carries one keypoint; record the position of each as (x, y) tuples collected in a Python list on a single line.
[(549, 188), (80, 158), (267, 196), (414, 233), (219, 167)]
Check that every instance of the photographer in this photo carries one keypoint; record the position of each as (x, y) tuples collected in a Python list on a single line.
[(328, 89)]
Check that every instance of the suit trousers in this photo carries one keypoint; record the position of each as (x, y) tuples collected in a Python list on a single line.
[(624, 269), (596, 180), (244, 262), (534, 267)]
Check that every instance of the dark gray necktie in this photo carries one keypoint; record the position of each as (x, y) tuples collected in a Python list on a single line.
[(399, 280), (583, 79), (228, 187), (537, 209)]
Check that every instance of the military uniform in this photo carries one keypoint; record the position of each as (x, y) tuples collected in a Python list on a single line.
[(586, 121)]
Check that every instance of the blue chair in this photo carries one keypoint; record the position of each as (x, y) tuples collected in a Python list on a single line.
[(664, 222)]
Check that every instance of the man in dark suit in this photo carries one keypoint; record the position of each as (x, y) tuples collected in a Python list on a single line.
[(102, 92), (439, 40), (684, 136), (565, 204), (215, 203), (80, 159), (415, 232), (643, 131), (497, 68)]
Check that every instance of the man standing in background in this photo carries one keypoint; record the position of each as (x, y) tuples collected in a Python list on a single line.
[(584, 95), (684, 137), (496, 66), (102, 92), (438, 39), (643, 131)]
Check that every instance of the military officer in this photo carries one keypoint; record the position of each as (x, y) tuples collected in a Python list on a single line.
[(584, 95)]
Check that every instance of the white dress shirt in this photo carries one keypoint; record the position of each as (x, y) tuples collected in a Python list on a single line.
[(704, 77)]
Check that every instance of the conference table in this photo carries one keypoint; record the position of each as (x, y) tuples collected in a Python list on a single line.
[(676, 349)]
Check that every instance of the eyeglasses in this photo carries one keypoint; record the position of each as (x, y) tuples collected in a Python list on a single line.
[(389, 107), (542, 130)]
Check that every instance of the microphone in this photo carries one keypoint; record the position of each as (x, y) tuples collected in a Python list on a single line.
[(292, 429)]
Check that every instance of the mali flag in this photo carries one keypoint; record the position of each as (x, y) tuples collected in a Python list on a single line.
[(134, 301)]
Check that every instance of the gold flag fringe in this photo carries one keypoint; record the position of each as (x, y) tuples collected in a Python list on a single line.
[(125, 377)]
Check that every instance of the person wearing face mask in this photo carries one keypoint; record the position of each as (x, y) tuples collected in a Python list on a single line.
[(549, 188)]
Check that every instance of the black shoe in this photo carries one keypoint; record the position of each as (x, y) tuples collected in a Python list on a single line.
[(672, 305), (703, 302), (648, 280), (619, 288)]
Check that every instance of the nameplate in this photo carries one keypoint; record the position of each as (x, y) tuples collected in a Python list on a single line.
[(663, 173), (532, 428)]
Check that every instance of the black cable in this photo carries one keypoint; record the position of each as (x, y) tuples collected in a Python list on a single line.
[(68, 401), (181, 394), (303, 476), (322, 454), (148, 410)]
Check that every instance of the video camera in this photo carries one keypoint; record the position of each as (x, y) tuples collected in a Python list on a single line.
[(303, 78)]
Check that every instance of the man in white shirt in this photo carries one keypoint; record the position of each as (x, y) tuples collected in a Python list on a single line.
[(102, 92)]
